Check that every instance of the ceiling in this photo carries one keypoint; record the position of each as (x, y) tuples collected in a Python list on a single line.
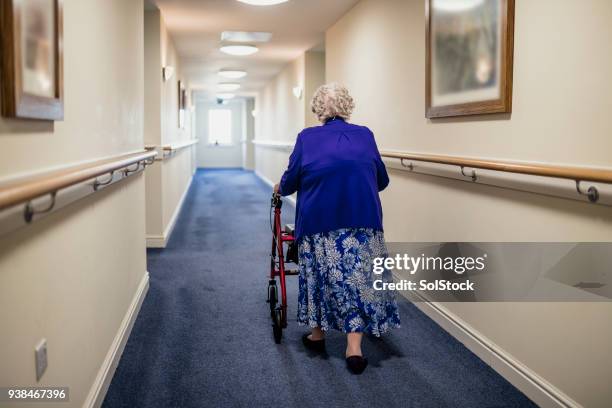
[(196, 26)]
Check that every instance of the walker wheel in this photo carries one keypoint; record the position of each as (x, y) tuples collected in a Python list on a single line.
[(276, 326), (272, 297)]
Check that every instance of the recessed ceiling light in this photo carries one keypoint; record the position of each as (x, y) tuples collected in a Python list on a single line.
[(228, 86), (239, 49), (456, 5), (225, 96), (232, 73), (263, 2), (246, 36)]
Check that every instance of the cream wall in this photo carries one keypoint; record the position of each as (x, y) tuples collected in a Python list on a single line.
[(152, 74), (177, 170), (562, 98), (152, 117), (281, 116), (248, 149), (314, 77), (168, 180), (72, 277), (171, 133), (271, 162)]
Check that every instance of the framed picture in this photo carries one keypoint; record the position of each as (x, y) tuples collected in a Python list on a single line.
[(182, 95), (32, 59), (469, 57)]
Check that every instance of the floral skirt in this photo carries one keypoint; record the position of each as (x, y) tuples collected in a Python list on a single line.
[(336, 281)]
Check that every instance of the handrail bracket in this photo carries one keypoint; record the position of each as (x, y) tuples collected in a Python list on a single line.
[(409, 166), (30, 211), (591, 193), (127, 171), (472, 176), (97, 184)]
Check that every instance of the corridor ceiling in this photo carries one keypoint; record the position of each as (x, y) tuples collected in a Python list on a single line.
[(196, 26)]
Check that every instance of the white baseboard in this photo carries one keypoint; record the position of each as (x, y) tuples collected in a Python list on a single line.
[(160, 241), (290, 199), (522, 377), (156, 241), (97, 392)]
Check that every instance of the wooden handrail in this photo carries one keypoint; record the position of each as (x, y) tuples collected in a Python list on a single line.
[(565, 172), (24, 190), (273, 143), (179, 146)]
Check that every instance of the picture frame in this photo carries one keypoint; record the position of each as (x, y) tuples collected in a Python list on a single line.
[(181, 104), (469, 57), (32, 63)]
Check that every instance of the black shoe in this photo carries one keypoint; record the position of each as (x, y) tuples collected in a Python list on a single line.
[(314, 345), (356, 364)]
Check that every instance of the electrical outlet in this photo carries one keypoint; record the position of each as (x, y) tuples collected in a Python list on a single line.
[(40, 353)]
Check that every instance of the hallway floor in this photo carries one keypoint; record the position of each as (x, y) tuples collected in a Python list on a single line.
[(203, 337)]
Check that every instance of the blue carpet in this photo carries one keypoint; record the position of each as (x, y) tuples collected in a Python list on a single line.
[(203, 337)]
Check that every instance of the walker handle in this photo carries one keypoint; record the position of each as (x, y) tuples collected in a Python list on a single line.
[(277, 201)]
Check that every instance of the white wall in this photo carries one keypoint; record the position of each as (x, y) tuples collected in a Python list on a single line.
[(221, 156), (71, 277), (562, 99), (167, 180)]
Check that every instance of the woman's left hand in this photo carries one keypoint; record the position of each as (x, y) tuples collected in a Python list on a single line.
[(276, 188)]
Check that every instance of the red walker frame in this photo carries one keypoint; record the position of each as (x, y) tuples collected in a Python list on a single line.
[(278, 313)]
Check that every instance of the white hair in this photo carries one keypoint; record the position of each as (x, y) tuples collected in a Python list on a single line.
[(332, 100)]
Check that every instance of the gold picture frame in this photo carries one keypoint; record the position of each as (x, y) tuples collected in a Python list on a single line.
[(32, 66), (469, 57)]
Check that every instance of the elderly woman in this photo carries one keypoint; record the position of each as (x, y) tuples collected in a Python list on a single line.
[(337, 172)]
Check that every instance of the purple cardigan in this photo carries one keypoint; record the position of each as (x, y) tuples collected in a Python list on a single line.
[(337, 171)]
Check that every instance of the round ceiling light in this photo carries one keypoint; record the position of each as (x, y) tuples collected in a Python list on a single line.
[(239, 49), (228, 86), (225, 96), (263, 2), (232, 73)]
